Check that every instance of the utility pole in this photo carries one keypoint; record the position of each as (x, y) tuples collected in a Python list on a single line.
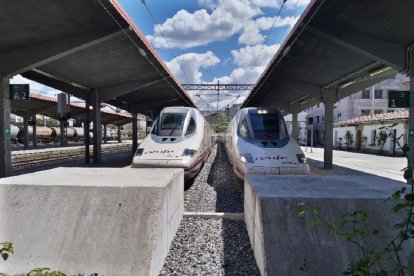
[(218, 94)]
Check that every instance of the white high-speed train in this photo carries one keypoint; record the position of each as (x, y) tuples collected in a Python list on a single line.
[(180, 138), (258, 142)]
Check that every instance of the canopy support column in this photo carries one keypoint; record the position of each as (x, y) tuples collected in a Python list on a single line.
[(26, 129), (34, 130), (134, 132), (105, 135), (86, 128), (5, 144), (329, 98), (295, 127), (119, 135), (97, 127)]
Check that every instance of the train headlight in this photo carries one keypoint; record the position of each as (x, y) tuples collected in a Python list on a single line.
[(139, 152), (246, 158), (189, 152), (301, 158)]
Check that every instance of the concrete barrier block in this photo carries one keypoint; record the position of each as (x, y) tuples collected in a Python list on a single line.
[(109, 221), (283, 242)]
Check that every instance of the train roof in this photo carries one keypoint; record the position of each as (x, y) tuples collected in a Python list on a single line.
[(246, 109), (177, 109)]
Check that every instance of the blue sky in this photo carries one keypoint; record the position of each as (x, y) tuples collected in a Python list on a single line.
[(203, 41)]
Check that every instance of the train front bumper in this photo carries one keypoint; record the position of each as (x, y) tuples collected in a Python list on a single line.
[(279, 170)]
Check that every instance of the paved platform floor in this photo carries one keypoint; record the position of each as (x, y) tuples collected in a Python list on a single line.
[(353, 163)]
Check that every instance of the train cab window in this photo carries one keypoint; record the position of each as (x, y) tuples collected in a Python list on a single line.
[(268, 126), (191, 127), (171, 124), (244, 129)]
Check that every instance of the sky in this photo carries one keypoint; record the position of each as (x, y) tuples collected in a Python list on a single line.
[(206, 41)]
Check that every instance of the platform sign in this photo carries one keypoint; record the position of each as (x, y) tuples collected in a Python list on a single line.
[(19, 92), (398, 99)]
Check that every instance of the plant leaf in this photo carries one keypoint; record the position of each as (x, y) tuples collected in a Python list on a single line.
[(398, 207)]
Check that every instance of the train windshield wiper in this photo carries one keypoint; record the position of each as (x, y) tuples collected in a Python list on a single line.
[(175, 127)]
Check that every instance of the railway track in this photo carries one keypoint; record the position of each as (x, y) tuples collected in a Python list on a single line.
[(22, 159)]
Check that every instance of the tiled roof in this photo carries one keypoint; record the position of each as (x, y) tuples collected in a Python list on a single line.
[(398, 115)]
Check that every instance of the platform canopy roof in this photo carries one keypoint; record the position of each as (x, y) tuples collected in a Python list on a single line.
[(47, 105), (78, 46), (339, 47)]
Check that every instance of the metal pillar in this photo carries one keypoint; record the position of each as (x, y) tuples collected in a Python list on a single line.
[(34, 131), (134, 132), (86, 128), (295, 126), (329, 98), (97, 127), (26, 129), (5, 143), (105, 135), (119, 135), (62, 134)]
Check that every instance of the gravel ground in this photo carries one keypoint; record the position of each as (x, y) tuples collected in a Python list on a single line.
[(212, 246)]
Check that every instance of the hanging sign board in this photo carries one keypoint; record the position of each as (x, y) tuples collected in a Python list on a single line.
[(19, 92), (398, 99)]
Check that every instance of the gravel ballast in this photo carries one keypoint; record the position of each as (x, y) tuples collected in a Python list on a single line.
[(212, 246)]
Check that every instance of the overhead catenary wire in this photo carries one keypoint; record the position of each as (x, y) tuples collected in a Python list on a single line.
[(166, 41), (145, 56), (267, 36), (277, 62)]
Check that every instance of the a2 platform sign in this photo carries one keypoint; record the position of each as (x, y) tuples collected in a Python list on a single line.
[(19, 92), (398, 99)]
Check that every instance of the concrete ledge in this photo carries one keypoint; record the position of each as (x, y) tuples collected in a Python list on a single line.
[(111, 221), (282, 241)]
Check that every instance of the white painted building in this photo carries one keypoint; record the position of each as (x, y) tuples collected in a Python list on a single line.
[(366, 130), (370, 101), (302, 117)]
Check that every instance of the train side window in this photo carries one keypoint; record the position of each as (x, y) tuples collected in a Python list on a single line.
[(191, 127), (243, 129)]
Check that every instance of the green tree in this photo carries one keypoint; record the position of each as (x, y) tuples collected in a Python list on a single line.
[(219, 123), (381, 140), (349, 139)]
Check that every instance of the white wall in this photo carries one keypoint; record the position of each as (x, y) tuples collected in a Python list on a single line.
[(341, 131), (367, 131)]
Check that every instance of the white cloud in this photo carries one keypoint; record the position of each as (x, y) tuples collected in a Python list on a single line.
[(220, 20), (251, 33), (267, 3), (292, 4), (187, 66), (209, 4), (258, 55), (185, 30), (238, 76)]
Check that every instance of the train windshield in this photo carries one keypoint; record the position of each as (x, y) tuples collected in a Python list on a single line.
[(268, 126), (172, 124)]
